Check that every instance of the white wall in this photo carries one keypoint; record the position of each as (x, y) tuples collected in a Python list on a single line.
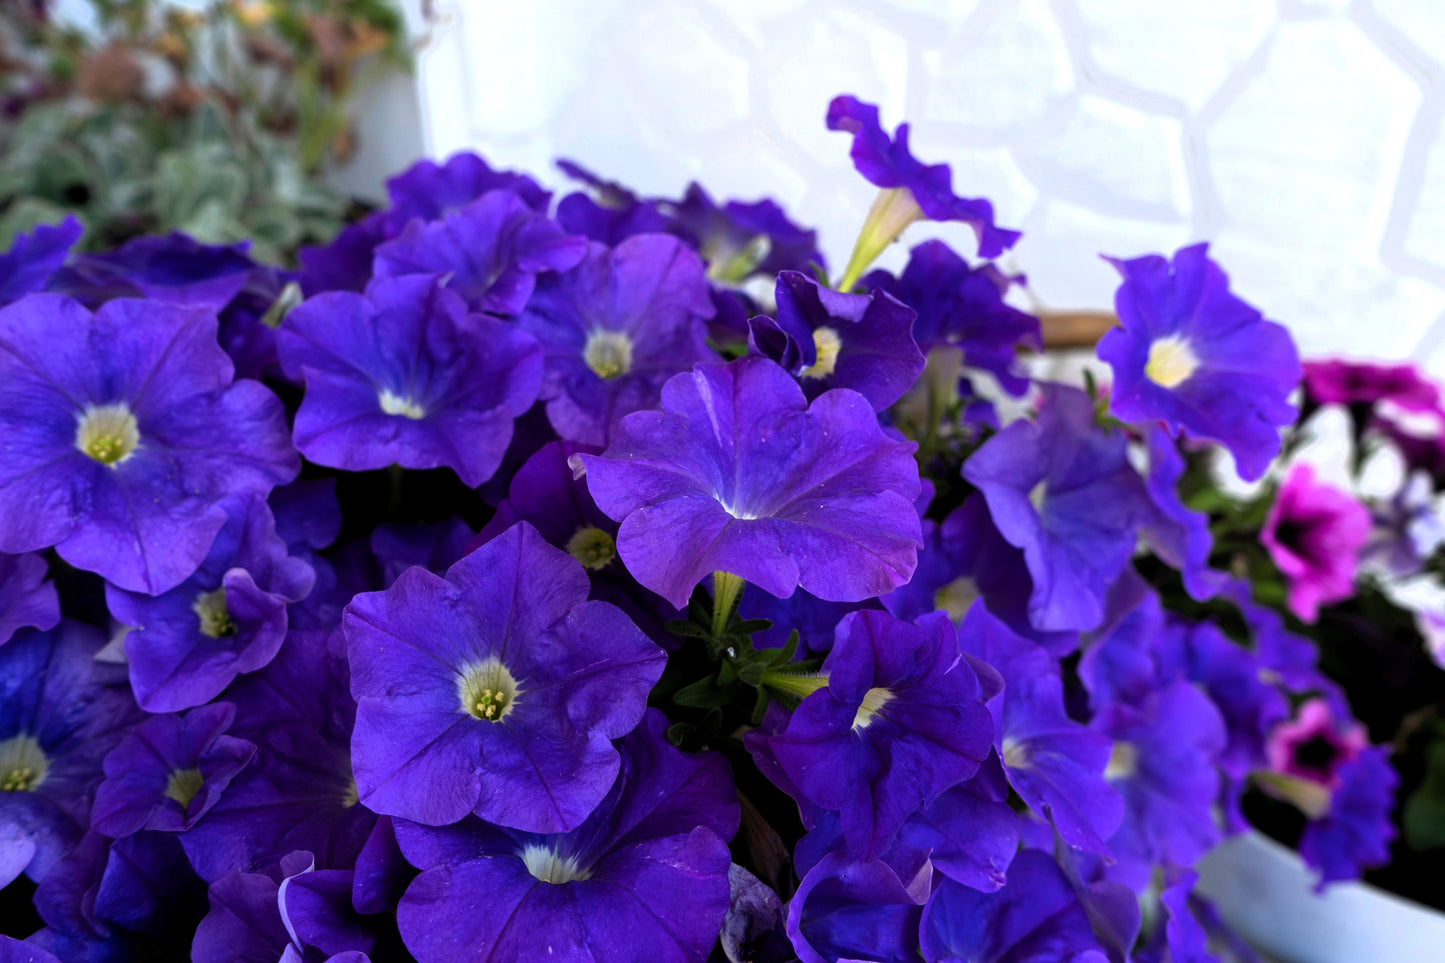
[(1300, 136)]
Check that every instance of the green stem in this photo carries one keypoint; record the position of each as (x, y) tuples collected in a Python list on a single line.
[(892, 211), (793, 683), (726, 587)]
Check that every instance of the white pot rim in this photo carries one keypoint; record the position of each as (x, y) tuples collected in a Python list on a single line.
[(1265, 892)]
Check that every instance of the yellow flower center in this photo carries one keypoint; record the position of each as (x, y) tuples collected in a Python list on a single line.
[(827, 342), (23, 764), (487, 690), (394, 404), (550, 866), (608, 353), (215, 618), (107, 433), (1123, 762), (873, 702), (183, 785), (1171, 362), (593, 547)]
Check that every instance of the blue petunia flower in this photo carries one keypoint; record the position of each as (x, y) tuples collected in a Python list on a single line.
[(1192, 355), (911, 190), (60, 713), (1036, 918), (738, 473), (1062, 489), (645, 876), (964, 307), (491, 251), (403, 375), (186, 645), (27, 598), (34, 258), (121, 431), (615, 328), (496, 690), (829, 339), (898, 722)]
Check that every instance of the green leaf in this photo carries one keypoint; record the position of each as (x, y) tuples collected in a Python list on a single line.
[(1424, 816), (686, 629), (702, 694)]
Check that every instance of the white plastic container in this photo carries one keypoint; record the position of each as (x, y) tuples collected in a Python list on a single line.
[(1267, 895)]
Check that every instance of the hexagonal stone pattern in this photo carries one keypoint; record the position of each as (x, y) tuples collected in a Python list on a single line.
[(1306, 138)]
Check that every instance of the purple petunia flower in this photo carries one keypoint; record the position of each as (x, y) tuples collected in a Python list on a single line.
[(738, 239), (305, 915), (169, 771), (496, 690), (1178, 534), (610, 213), (898, 722), (968, 833), (645, 876), (964, 306), (491, 251), (99, 900), (18, 951), (229, 618), (404, 375), (1314, 533), (738, 473), (34, 258), (834, 340), (429, 190), (1054, 763), (1062, 489), (1407, 530), (615, 328), (1036, 918), (60, 713), (426, 190), (345, 264), (298, 793), (1192, 355), (1355, 832), (27, 598), (121, 431), (845, 910), (1164, 765), (173, 268), (912, 190), (547, 495)]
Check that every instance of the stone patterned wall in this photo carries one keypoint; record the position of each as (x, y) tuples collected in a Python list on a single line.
[(1303, 137)]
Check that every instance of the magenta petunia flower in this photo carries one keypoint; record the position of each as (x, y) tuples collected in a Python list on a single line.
[(120, 432), (738, 473), (1314, 533), (1336, 381)]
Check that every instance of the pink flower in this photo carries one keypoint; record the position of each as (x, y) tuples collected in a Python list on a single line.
[(1314, 533), (1336, 381)]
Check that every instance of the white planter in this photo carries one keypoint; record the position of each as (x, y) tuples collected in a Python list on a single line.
[(1267, 895)]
